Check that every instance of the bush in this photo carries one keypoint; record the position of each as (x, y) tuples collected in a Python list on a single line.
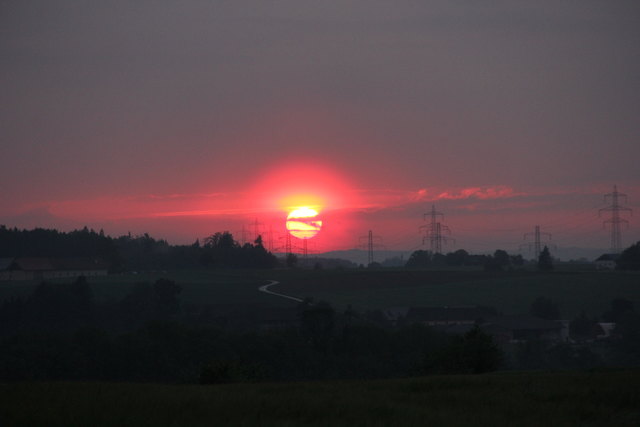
[(473, 353)]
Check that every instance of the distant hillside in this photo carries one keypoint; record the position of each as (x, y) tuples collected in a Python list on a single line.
[(361, 257)]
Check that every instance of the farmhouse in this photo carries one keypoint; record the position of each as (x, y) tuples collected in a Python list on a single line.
[(439, 316), (48, 268), (518, 328), (436, 316), (607, 262)]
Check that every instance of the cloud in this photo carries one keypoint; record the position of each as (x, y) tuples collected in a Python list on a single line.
[(483, 193)]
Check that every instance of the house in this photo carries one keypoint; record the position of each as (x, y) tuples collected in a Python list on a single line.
[(39, 268), (516, 328), (607, 262), (439, 316), (606, 330), (8, 270)]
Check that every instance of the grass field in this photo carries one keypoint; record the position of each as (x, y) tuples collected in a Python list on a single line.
[(199, 286), (513, 399), (509, 292)]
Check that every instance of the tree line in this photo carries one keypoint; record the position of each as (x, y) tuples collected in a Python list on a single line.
[(130, 253), (221, 250)]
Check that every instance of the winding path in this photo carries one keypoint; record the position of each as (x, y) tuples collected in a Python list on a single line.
[(265, 289)]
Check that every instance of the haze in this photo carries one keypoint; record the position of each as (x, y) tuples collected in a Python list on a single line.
[(168, 117)]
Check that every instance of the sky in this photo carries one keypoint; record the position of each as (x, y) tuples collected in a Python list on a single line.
[(180, 119)]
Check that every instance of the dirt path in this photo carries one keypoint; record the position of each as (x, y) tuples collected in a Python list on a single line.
[(265, 289)]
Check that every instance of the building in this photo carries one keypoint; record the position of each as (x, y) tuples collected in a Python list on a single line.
[(445, 316), (41, 268), (439, 316), (607, 262), (518, 328)]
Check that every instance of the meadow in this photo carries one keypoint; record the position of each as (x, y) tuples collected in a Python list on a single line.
[(232, 287), (500, 399), (510, 292)]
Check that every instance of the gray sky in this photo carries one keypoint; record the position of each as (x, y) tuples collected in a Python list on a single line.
[(103, 102)]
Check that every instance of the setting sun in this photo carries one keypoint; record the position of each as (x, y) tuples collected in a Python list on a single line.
[(303, 223)]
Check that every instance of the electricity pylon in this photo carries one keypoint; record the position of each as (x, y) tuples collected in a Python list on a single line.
[(372, 242), (615, 208), (433, 231), (270, 239), (287, 247), (537, 241), (256, 229)]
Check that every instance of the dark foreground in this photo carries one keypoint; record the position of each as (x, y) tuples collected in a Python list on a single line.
[(522, 399)]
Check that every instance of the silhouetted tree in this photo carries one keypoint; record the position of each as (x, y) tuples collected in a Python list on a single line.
[(459, 257), (583, 328), (628, 331), (545, 263), (318, 320), (222, 241), (438, 259), (473, 353), (516, 260), (419, 258), (502, 258), (629, 258)]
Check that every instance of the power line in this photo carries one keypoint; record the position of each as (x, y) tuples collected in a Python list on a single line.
[(256, 229), (433, 231), (537, 242), (372, 242), (615, 221)]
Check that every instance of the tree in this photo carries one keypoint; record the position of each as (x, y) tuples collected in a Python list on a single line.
[(544, 308), (317, 321), (419, 258), (497, 262), (223, 241), (628, 330), (583, 328), (545, 262), (473, 353), (630, 258), (516, 260), (502, 258), (459, 257)]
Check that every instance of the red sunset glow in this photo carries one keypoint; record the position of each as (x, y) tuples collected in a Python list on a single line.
[(224, 117)]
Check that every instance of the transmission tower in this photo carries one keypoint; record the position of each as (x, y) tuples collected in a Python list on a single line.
[(373, 242), (433, 231), (537, 241), (270, 239), (285, 247), (256, 229), (244, 235), (615, 208)]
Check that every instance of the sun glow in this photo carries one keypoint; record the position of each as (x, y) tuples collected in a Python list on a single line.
[(303, 222)]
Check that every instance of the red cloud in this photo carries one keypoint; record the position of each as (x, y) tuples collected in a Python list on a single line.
[(482, 193)]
